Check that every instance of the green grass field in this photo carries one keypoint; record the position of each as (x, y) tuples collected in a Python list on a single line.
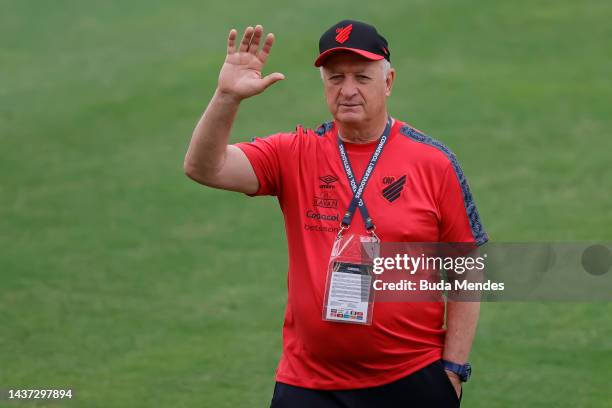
[(124, 280)]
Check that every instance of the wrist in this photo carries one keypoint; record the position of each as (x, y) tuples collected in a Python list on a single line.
[(462, 371), (227, 97)]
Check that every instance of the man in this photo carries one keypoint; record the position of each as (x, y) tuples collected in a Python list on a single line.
[(415, 193)]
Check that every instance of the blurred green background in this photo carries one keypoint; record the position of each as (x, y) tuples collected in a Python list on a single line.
[(126, 281)]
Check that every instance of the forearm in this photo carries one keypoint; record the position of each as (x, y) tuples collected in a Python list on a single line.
[(461, 322), (208, 146)]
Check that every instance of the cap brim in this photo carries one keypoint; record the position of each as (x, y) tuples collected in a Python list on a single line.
[(327, 53)]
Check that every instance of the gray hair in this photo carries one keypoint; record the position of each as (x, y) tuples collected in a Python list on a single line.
[(386, 67)]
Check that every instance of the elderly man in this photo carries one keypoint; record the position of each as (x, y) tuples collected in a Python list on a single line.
[(388, 176)]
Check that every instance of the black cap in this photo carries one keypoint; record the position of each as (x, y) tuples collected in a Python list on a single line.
[(355, 36)]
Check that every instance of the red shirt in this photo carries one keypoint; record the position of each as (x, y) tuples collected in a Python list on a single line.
[(304, 170)]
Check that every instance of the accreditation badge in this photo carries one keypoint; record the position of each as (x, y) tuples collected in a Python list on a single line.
[(349, 297)]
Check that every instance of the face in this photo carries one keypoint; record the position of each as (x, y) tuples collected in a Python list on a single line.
[(356, 88)]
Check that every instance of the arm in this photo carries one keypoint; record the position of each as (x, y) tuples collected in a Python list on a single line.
[(461, 322), (209, 159), (462, 306)]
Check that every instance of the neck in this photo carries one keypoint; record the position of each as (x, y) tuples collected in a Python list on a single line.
[(362, 132)]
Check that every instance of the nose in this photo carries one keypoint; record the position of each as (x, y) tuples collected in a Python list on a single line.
[(349, 89)]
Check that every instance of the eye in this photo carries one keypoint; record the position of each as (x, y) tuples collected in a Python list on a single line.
[(362, 77), (335, 77)]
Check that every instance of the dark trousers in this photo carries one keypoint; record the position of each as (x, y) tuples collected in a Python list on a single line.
[(429, 387)]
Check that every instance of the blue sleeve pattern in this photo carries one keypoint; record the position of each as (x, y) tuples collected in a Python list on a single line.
[(324, 128), (478, 232)]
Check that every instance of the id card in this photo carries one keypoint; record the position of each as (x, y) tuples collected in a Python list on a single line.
[(348, 289), (349, 293)]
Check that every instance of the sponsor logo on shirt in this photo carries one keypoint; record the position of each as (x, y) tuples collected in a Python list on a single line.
[(321, 228), (328, 181), (319, 216), (394, 187), (325, 201)]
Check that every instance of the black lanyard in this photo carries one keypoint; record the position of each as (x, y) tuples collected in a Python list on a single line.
[(357, 201)]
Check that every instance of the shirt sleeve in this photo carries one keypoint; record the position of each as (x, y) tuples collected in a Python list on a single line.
[(459, 218), (265, 155)]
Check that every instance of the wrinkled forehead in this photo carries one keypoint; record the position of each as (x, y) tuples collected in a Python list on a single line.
[(349, 62)]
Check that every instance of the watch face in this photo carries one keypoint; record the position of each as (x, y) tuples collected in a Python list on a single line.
[(468, 372)]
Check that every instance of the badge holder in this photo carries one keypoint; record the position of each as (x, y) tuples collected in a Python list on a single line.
[(349, 297)]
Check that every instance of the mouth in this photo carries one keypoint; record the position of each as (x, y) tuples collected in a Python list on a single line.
[(350, 105)]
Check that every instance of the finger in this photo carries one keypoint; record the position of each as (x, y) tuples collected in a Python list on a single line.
[(265, 50), (254, 46), (246, 39), (272, 78), (231, 41)]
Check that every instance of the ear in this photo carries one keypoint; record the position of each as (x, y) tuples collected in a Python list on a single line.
[(389, 81)]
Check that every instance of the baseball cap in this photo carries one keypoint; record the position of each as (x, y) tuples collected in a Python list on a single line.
[(355, 36)]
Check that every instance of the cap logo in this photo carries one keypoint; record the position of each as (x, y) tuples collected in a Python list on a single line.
[(343, 33)]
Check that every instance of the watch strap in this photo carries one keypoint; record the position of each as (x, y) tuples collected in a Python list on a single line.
[(462, 370)]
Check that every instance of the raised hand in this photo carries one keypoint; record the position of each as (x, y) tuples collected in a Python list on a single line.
[(240, 76)]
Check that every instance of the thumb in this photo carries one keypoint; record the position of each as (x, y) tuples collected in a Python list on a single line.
[(272, 78)]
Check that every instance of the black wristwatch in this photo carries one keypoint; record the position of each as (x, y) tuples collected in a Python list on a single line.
[(462, 370)]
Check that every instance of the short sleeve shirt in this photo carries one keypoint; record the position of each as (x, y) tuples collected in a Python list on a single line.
[(417, 193)]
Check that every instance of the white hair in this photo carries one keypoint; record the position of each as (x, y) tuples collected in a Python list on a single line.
[(386, 67)]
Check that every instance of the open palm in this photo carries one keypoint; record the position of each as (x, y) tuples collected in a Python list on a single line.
[(240, 75)]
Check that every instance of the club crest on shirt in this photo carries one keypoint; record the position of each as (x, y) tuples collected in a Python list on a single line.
[(393, 187)]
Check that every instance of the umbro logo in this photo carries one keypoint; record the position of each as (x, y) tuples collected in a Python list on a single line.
[(394, 189), (328, 182), (328, 179)]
